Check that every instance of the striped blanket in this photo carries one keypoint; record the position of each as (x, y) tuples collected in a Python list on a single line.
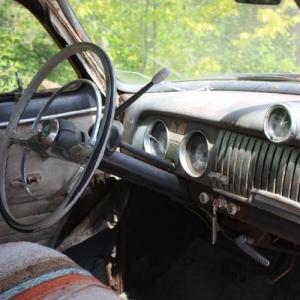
[(30, 271)]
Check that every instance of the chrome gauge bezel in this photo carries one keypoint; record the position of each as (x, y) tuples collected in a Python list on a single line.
[(148, 134), (270, 133), (47, 138), (184, 158)]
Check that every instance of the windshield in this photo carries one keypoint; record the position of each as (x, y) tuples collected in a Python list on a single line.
[(196, 39)]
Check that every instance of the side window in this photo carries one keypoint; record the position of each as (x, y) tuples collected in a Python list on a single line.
[(24, 47)]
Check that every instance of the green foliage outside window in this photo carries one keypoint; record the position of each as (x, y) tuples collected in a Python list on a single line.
[(24, 47), (195, 38)]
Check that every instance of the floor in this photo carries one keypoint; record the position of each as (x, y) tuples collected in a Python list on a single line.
[(208, 272)]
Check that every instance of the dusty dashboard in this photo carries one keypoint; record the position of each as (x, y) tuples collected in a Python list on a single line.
[(242, 145)]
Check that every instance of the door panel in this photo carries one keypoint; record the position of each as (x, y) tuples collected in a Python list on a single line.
[(46, 176)]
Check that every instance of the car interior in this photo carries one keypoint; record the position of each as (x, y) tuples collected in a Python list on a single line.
[(158, 190)]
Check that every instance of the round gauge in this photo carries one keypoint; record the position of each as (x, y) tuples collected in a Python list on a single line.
[(194, 153), (156, 139), (278, 124)]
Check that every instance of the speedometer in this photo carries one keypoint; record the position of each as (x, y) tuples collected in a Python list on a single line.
[(194, 153), (156, 139)]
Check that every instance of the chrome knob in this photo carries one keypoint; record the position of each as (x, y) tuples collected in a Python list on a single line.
[(205, 197), (232, 208)]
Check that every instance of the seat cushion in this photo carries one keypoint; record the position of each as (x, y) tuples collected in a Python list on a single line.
[(32, 271)]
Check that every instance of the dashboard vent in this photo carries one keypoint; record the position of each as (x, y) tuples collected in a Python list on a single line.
[(252, 163)]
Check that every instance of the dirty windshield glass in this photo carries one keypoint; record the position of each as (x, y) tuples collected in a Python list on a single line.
[(25, 47), (196, 39)]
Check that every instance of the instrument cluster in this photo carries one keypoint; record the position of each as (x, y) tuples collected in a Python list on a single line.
[(187, 147)]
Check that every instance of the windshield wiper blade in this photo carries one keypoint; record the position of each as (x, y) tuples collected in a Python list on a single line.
[(295, 77)]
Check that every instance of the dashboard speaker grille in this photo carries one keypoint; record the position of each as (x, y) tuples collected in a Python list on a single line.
[(253, 163)]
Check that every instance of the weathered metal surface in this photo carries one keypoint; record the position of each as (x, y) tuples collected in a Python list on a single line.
[(241, 111)]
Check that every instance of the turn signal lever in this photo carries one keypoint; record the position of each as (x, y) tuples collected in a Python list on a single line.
[(157, 78), (115, 138)]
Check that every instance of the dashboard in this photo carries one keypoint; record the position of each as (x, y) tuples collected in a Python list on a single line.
[(243, 146)]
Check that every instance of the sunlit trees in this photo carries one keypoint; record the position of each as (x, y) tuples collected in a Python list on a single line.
[(24, 47), (195, 38)]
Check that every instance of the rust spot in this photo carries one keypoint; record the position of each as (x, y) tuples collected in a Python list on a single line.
[(182, 128), (80, 33), (31, 178), (173, 127)]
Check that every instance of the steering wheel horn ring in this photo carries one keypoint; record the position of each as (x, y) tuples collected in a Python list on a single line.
[(97, 142)]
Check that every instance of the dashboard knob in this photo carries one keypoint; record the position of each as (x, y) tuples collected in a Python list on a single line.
[(205, 197), (232, 208)]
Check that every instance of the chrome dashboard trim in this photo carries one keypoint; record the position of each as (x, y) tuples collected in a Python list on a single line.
[(276, 200), (55, 116), (233, 196), (276, 205)]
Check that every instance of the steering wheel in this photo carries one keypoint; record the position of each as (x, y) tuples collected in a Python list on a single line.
[(87, 154)]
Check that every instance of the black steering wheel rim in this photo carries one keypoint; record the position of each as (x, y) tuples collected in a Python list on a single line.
[(98, 149)]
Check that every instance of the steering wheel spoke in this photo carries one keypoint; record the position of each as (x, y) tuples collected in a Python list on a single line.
[(20, 139)]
